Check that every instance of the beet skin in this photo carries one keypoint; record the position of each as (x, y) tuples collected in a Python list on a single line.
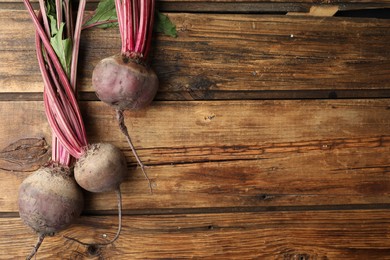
[(124, 83), (50, 200), (102, 168)]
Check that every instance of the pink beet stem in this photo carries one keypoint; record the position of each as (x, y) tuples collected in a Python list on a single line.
[(128, 25), (135, 15), (69, 19), (148, 39), (99, 23), (61, 107), (142, 27), (59, 13), (44, 17), (119, 13), (135, 19), (76, 44), (55, 110)]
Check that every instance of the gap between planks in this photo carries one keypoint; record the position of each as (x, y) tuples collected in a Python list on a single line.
[(226, 210), (210, 95)]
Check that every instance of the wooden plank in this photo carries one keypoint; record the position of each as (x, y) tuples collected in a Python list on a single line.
[(266, 184), (233, 6), (235, 124), (267, 6), (356, 234), (225, 56), (230, 154), (263, 6)]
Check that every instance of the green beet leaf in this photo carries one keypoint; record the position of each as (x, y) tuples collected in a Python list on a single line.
[(105, 12), (63, 48), (164, 25)]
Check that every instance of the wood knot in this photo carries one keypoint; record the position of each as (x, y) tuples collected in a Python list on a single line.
[(93, 250), (265, 197), (26, 154)]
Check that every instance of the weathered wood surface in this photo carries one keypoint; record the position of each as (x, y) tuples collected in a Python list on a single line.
[(230, 57), (242, 6), (356, 234), (242, 179), (231, 154), (263, 6)]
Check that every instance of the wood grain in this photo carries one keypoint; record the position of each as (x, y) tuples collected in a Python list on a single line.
[(232, 154), (220, 124), (240, 6), (229, 56), (264, 6), (234, 177), (357, 234)]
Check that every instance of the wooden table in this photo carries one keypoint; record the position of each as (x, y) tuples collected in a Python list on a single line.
[(269, 137)]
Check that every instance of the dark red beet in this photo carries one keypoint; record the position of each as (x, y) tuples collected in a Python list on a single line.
[(50, 200), (102, 168), (124, 83)]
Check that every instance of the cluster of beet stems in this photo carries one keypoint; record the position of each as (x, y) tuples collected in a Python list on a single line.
[(69, 140)]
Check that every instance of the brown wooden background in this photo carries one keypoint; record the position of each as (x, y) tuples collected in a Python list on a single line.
[(269, 137)]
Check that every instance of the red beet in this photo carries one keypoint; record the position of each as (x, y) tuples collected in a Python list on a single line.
[(124, 83), (102, 168), (49, 200)]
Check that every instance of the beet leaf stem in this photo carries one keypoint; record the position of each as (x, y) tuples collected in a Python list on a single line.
[(135, 19), (61, 106), (76, 44)]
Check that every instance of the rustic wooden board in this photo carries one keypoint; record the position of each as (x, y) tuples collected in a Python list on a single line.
[(241, 6), (229, 56), (357, 234), (228, 154), (264, 6), (287, 179)]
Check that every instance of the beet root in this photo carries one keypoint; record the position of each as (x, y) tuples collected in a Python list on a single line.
[(102, 168), (124, 83), (50, 200)]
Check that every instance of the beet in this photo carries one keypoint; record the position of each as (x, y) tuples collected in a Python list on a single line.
[(102, 168), (50, 200), (124, 83)]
